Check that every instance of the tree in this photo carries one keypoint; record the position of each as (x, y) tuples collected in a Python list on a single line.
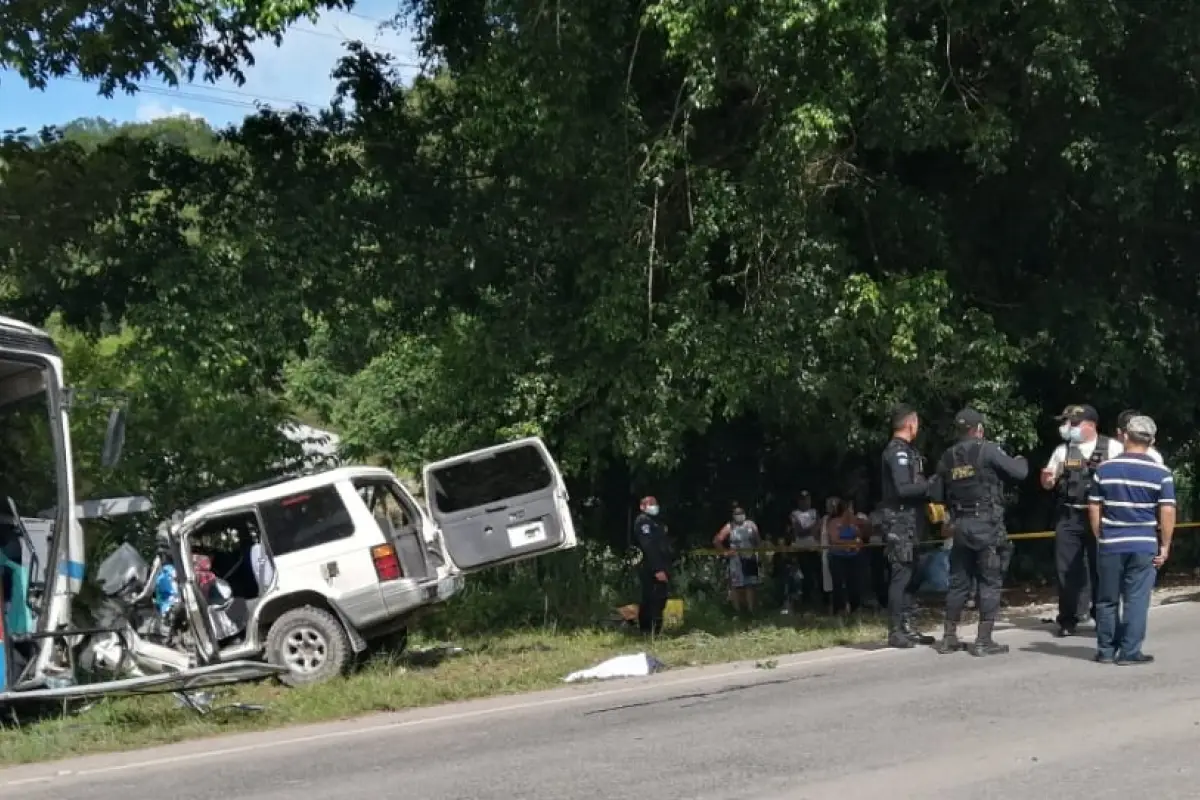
[(123, 42)]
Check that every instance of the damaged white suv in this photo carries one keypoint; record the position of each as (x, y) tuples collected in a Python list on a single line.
[(307, 572)]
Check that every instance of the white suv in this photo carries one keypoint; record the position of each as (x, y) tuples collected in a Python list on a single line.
[(349, 556)]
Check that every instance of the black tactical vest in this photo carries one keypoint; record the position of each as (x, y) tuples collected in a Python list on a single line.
[(971, 487), (1078, 471)]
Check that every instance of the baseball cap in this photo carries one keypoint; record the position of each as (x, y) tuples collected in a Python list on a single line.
[(1141, 427), (968, 418), (1079, 413)]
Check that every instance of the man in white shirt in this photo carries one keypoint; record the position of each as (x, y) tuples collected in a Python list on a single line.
[(1123, 423), (804, 567), (1069, 473)]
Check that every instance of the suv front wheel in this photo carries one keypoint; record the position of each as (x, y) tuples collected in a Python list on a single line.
[(311, 643)]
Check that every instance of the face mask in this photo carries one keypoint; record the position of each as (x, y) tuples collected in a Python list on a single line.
[(652, 510), (739, 518), (1064, 431), (1076, 435)]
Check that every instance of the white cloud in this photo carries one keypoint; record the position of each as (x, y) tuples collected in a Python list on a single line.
[(151, 110)]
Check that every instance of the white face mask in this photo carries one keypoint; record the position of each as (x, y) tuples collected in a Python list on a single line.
[(1064, 431), (652, 510), (1076, 435)]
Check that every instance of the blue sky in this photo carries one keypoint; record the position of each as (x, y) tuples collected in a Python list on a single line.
[(295, 72)]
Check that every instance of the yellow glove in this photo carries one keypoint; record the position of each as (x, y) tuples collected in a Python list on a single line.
[(936, 513)]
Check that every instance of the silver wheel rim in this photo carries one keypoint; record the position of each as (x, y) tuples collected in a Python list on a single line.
[(305, 649)]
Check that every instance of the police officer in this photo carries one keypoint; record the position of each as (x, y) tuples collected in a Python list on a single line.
[(905, 493), (650, 535), (1069, 473), (970, 480)]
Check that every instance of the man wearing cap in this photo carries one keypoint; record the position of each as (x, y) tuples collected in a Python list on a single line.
[(1123, 423), (905, 494), (1069, 472), (651, 538), (1130, 501), (970, 481)]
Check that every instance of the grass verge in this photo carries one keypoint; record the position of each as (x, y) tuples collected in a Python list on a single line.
[(500, 665)]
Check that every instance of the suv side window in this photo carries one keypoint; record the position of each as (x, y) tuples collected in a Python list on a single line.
[(306, 519), (385, 504)]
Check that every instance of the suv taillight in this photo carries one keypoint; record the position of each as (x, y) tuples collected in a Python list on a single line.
[(387, 565)]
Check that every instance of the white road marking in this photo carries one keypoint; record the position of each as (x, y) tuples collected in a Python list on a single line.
[(463, 715)]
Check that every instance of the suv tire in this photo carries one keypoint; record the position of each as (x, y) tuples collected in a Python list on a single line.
[(311, 643)]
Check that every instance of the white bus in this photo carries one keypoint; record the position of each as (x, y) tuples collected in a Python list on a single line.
[(48, 547)]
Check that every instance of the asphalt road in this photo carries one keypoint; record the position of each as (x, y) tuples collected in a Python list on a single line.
[(1042, 721)]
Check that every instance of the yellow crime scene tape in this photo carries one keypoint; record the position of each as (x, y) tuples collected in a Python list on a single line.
[(939, 542)]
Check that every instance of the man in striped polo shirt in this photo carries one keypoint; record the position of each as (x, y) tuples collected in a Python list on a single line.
[(1131, 499)]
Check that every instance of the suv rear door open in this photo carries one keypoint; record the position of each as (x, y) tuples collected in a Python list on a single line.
[(499, 505)]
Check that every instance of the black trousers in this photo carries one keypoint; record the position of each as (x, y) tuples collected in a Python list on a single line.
[(977, 561), (900, 530), (813, 586), (846, 572), (654, 603), (1075, 564), (877, 566)]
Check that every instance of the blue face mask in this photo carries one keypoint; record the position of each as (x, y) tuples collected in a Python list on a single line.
[(652, 510), (1076, 435), (1064, 432)]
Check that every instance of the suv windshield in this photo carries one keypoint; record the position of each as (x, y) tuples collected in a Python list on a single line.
[(508, 473)]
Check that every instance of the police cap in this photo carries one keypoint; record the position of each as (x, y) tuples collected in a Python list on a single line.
[(968, 419), (1077, 413)]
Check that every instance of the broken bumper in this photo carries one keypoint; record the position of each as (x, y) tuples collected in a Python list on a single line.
[(448, 587)]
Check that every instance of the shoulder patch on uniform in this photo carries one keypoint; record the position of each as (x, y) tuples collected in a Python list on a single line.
[(902, 458), (645, 527)]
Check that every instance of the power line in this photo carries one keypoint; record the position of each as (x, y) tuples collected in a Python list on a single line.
[(236, 96), (346, 40)]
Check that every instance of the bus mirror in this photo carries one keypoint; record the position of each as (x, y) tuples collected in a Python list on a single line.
[(114, 439)]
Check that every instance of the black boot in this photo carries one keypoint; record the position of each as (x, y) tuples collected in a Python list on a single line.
[(915, 636), (949, 642), (984, 644), (899, 639)]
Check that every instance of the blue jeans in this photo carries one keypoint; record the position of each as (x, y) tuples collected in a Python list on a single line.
[(1124, 579)]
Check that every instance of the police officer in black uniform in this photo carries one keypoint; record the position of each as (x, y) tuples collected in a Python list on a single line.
[(905, 494), (970, 481), (650, 535)]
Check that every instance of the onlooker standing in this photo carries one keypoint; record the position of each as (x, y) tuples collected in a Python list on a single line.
[(1131, 496), (740, 537), (845, 532), (803, 532)]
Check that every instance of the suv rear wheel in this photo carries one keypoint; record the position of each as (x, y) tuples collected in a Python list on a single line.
[(311, 643)]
